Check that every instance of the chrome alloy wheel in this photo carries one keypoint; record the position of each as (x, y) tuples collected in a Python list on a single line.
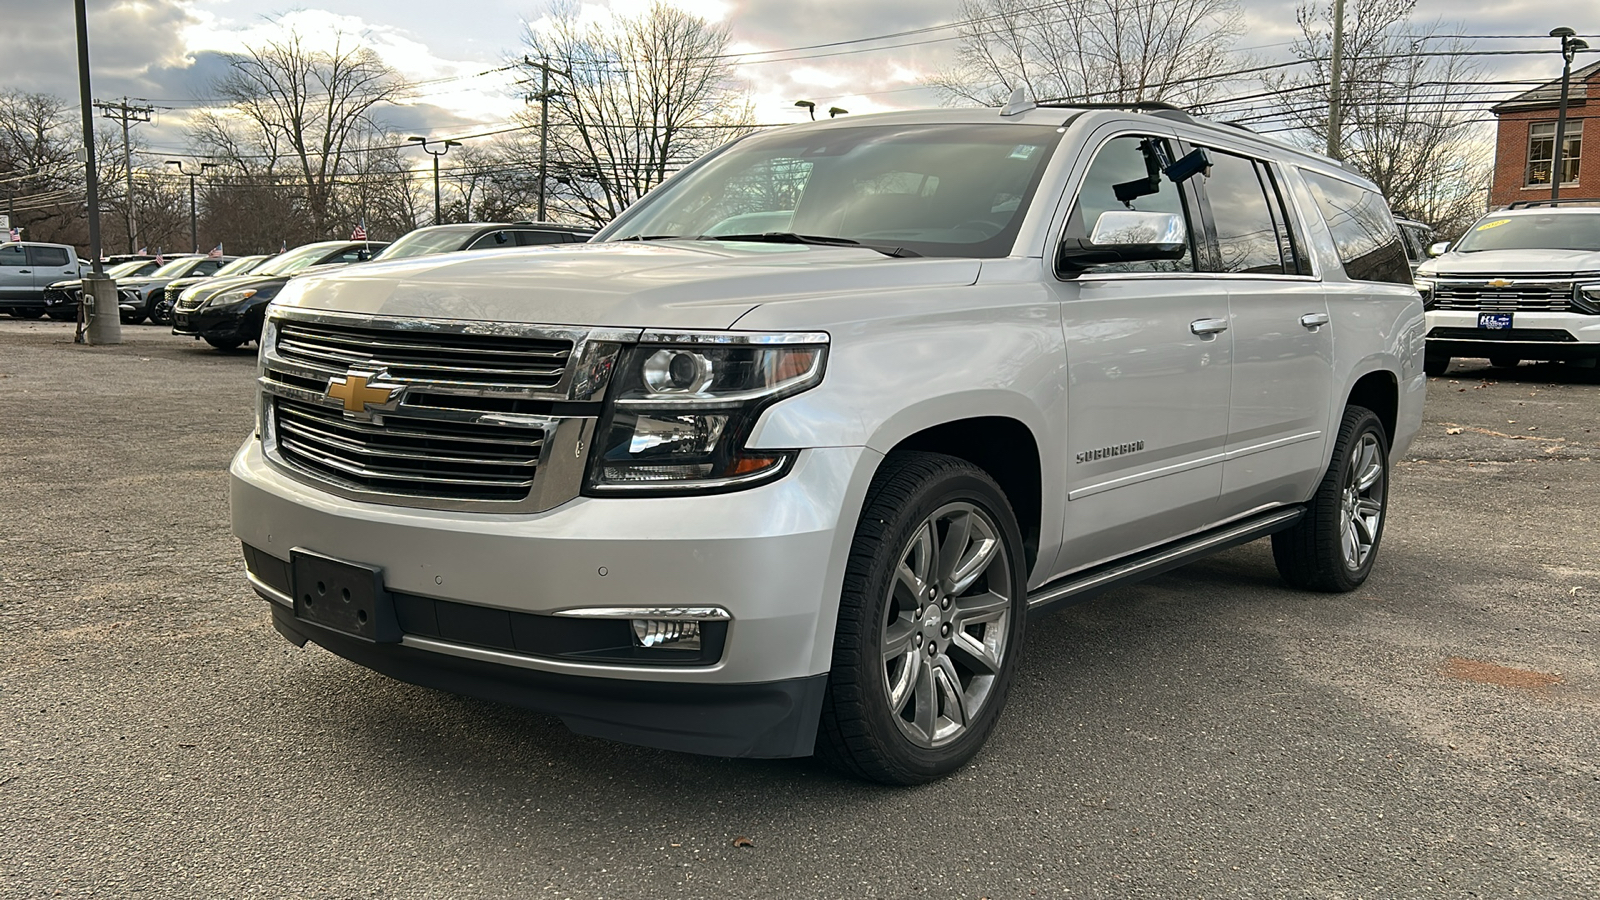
[(1361, 507), (945, 624)]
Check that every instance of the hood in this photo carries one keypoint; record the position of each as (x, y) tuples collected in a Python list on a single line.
[(677, 284), (1512, 262)]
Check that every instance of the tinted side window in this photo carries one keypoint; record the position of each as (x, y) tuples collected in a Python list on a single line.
[(1295, 257), (13, 255), (48, 256), (491, 240), (1363, 230), (1247, 235), (1126, 161), (535, 238), (206, 267)]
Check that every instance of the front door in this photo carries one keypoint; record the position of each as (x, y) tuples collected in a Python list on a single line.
[(1148, 360)]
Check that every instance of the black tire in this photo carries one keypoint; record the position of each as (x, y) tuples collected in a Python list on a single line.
[(1505, 362), (915, 495), (226, 346), (161, 312), (1435, 365), (1314, 554), (132, 318), (27, 313), (63, 315)]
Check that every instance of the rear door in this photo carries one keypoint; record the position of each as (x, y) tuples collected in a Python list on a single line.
[(50, 265), (1282, 336), (1148, 360)]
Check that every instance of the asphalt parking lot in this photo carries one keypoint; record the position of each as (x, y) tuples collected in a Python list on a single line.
[(1209, 733)]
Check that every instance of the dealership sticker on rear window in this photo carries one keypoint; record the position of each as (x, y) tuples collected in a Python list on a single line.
[(1488, 225)]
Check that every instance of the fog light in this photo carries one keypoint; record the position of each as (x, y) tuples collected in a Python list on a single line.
[(667, 634)]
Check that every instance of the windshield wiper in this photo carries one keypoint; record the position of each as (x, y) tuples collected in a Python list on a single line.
[(654, 237), (821, 240)]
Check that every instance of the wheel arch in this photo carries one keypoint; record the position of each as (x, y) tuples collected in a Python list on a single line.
[(1379, 391)]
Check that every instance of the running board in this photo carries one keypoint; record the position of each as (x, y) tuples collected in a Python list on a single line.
[(1083, 585)]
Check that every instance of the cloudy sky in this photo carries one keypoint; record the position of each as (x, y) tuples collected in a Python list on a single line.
[(170, 51)]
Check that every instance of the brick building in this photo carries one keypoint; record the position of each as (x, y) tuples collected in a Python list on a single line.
[(1525, 142)]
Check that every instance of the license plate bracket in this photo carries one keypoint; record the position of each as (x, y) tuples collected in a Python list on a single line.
[(1494, 321), (341, 596)]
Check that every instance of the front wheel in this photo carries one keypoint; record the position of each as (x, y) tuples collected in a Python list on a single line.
[(224, 345), (1435, 365), (161, 312), (27, 313), (1332, 548), (930, 623)]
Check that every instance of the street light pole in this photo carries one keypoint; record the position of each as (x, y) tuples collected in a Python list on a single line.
[(444, 148), (194, 228), (1570, 45)]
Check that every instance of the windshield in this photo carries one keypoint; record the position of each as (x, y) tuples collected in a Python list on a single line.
[(295, 260), (1566, 231), (124, 269), (175, 268), (425, 242), (936, 190), (240, 265)]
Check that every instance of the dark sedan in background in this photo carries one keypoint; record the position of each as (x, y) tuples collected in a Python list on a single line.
[(481, 236), (163, 299), (228, 312)]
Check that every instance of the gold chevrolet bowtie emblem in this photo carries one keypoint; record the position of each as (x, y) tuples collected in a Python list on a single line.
[(1500, 282), (353, 390)]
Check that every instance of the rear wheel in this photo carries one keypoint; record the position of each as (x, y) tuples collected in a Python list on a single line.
[(1332, 548), (930, 623), (1435, 365)]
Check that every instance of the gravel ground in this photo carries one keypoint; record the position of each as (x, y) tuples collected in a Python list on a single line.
[(1205, 734)]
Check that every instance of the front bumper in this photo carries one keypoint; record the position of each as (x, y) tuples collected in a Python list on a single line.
[(772, 556), (226, 325), (1533, 335)]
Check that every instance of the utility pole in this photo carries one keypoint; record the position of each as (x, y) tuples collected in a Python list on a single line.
[(1570, 45), (128, 116), (1335, 73), (543, 97), (99, 310)]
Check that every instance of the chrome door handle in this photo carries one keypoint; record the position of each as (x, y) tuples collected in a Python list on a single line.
[(1314, 320), (1208, 326)]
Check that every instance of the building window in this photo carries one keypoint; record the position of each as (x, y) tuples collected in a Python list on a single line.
[(1541, 150)]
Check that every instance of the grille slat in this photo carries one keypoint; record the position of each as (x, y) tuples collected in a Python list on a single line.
[(410, 456), (1527, 296), (426, 358)]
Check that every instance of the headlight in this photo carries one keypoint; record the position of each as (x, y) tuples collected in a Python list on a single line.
[(229, 298), (1425, 288), (1587, 297), (679, 413)]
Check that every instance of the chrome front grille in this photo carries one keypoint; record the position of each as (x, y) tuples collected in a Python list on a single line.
[(408, 456), (428, 359), (438, 414), (1519, 295)]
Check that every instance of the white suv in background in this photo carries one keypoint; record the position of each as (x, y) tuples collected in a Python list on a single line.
[(1522, 284), (785, 458)]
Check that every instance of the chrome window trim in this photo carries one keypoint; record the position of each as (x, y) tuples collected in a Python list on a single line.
[(732, 337), (707, 613)]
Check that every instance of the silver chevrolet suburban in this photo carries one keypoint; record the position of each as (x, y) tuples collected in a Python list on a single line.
[(783, 461)]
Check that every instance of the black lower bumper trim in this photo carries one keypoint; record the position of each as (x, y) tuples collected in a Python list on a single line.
[(767, 720)]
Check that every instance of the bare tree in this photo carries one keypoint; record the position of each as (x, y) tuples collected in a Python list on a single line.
[(40, 177), (1092, 50), (632, 101), (1408, 117), (302, 117)]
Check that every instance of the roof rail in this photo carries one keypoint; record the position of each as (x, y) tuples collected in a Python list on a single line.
[(1155, 107), (1574, 201)]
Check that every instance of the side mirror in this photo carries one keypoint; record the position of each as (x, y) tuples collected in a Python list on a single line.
[(362, 256), (1439, 248), (1127, 236)]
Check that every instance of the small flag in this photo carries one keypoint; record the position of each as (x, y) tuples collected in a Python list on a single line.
[(360, 232), (16, 234), (216, 253), (284, 247), (144, 251), (159, 260)]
